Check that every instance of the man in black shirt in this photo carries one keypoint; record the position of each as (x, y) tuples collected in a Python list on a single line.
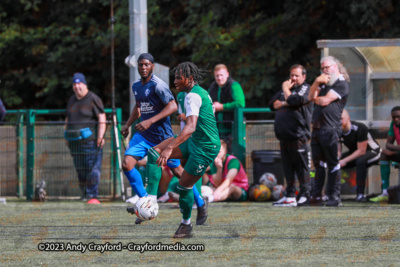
[(363, 152), (329, 93), (292, 128), (86, 125)]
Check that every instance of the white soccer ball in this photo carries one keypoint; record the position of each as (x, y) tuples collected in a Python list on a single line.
[(277, 192), (146, 208), (268, 179), (206, 191)]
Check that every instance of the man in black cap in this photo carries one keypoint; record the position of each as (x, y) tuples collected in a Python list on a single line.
[(85, 128)]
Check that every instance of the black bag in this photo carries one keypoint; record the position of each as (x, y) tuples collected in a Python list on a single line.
[(394, 194)]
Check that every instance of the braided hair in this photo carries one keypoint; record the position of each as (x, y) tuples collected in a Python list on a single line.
[(187, 69)]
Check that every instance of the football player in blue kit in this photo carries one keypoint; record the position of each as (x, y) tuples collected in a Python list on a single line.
[(154, 104)]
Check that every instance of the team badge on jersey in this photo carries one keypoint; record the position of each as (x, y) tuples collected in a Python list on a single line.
[(147, 92), (200, 168)]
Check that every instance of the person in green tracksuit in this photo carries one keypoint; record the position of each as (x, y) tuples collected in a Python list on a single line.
[(227, 95)]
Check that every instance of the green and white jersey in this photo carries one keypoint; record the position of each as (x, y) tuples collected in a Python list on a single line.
[(198, 103)]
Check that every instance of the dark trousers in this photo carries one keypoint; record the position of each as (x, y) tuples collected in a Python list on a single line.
[(87, 160), (324, 145), (362, 164), (296, 161)]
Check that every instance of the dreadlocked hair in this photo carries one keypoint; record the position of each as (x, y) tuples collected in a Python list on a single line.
[(187, 69)]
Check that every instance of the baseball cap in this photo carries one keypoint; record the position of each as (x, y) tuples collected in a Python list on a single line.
[(78, 78), (147, 56)]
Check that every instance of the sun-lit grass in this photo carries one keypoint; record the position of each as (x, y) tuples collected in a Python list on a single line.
[(235, 234)]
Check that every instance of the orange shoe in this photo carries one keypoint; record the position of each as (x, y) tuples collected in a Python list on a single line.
[(94, 201)]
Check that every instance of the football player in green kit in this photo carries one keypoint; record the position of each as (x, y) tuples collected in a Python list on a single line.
[(198, 141)]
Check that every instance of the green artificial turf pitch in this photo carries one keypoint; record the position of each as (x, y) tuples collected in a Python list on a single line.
[(235, 234)]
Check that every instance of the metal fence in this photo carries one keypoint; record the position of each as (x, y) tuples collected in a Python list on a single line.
[(31, 150), (32, 147)]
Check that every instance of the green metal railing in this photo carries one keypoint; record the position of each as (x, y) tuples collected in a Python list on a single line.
[(28, 118), (239, 131), (247, 135)]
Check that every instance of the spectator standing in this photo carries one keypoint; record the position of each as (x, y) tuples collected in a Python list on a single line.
[(85, 129), (329, 93), (227, 95), (292, 128)]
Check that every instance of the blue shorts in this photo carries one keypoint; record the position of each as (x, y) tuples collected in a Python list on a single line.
[(138, 147)]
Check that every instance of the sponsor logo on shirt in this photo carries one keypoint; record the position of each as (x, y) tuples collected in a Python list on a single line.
[(146, 107), (303, 90)]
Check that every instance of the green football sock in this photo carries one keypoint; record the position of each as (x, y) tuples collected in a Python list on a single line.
[(173, 184), (153, 172), (186, 200), (385, 174)]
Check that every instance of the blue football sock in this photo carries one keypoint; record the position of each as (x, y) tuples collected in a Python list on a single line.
[(197, 198), (135, 179)]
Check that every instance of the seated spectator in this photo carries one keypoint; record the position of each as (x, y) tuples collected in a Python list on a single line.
[(363, 152), (228, 177), (390, 153)]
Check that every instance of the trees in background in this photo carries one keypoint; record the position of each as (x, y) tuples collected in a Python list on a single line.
[(43, 42)]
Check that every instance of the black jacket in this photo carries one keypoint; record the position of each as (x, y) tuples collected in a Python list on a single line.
[(226, 96), (293, 121)]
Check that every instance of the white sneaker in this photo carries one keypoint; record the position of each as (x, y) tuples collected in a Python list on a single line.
[(286, 202), (303, 201), (133, 199), (325, 198), (164, 198)]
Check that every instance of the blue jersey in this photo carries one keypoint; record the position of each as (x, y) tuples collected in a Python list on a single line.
[(151, 98)]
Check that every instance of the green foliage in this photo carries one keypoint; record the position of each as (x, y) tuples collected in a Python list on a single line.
[(43, 42)]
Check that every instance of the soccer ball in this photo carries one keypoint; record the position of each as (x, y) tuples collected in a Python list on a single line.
[(206, 191), (259, 192), (146, 208), (277, 192), (268, 179)]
